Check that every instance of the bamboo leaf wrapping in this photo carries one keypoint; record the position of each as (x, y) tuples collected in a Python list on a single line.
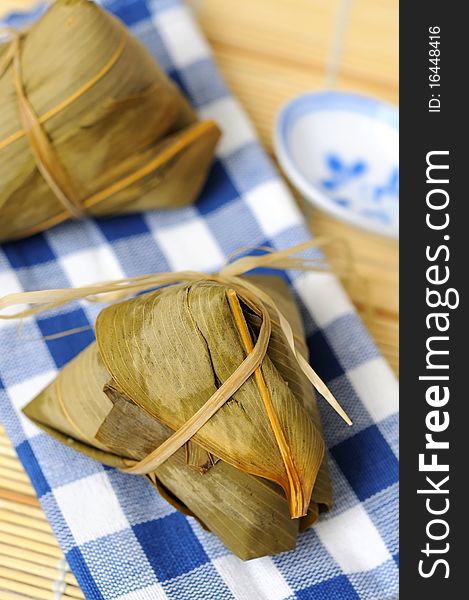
[(122, 132), (157, 359)]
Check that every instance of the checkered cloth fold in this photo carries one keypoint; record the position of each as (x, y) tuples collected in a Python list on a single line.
[(121, 539)]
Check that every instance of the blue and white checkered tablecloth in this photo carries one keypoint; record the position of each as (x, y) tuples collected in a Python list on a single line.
[(121, 539)]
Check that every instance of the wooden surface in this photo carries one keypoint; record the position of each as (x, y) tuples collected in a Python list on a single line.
[(268, 51)]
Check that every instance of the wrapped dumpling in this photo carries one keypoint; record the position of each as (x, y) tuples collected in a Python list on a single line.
[(254, 473), (90, 125)]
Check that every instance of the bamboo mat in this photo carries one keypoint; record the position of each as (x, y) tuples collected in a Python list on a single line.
[(31, 564), (268, 51)]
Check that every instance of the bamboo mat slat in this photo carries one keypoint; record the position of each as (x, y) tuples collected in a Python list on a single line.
[(22, 509), (27, 522), (268, 51), (42, 571), (18, 530), (9, 484), (27, 554), (30, 587), (16, 541), (16, 475), (10, 463)]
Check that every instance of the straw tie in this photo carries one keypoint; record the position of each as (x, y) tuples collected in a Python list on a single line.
[(46, 158), (249, 293)]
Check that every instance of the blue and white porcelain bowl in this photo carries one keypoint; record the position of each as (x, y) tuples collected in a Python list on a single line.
[(341, 151)]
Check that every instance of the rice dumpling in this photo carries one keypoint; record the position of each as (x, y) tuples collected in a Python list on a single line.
[(254, 473), (90, 124)]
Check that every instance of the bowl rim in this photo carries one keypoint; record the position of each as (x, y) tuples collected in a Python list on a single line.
[(329, 100)]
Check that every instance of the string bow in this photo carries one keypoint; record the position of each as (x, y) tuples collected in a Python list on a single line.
[(230, 276)]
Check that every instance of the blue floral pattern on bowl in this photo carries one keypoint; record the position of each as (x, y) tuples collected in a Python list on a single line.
[(375, 199), (341, 151)]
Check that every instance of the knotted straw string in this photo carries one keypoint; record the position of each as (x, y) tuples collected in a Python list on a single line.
[(254, 297), (45, 156)]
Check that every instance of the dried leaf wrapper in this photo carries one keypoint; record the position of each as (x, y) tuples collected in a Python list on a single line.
[(91, 125), (157, 359)]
